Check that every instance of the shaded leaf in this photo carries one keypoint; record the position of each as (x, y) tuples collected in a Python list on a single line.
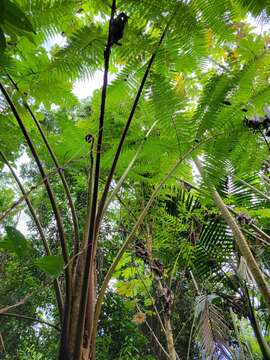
[(2, 11), (15, 16), (2, 40), (52, 264)]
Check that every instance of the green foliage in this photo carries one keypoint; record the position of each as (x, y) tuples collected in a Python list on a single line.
[(14, 242), (208, 80), (52, 265), (13, 22)]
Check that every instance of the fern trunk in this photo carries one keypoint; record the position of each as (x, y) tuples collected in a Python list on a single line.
[(87, 349)]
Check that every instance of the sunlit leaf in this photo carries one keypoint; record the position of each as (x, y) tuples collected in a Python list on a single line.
[(14, 242)]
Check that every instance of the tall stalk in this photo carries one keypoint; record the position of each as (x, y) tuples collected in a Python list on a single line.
[(125, 131), (58, 167), (91, 237)]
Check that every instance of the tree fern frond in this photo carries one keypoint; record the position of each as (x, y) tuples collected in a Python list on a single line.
[(212, 329), (254, 6), (214, 248), (82, 55), (52, 16)]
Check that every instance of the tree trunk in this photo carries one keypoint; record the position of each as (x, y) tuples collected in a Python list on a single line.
[(169, 338), (88, 347), (87, 351)]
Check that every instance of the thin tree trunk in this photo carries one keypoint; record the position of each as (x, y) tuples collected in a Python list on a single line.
[(169, 338), (241, 350), (89, 318), (168, 330), (264, 347)]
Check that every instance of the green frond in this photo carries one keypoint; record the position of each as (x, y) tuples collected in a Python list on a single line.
[(215, 16), (82, 55), (52, 16), (213, 250)]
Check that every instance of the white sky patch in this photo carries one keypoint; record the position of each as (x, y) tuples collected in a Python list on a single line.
[(196, 174), (58, 39), (22, 223), (85, 88), (81, 88), (260, 25)]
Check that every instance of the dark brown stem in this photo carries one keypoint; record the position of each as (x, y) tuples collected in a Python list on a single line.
[(124, 134), (58, 293), (59, 168), (265, 139), (89, 259), (26, 317), (56, 211), (79, 264)]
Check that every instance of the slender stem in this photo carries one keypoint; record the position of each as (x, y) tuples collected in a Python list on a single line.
[(91, 221), (255, 236), (58, 293), (182, 328), (256, 328), (23, 197), (65, 184), (194, 282), (59, 168), (254, 189), (153, 303), (123, 177), (26, 317), (265, 139), (2, 343), (259, 231), (55, 208), (236, 331), (124, 134), (154, 335), (29, 204), (174, 268), (190, 335), (21, 302), (265, 178)]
